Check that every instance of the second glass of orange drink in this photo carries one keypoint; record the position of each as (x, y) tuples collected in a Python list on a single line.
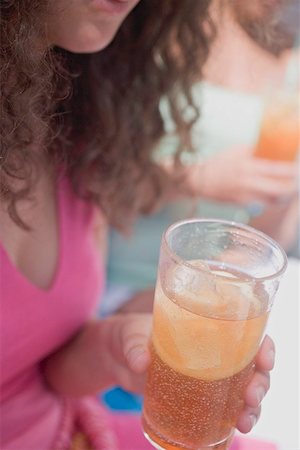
[(279, 138), (215, 286)]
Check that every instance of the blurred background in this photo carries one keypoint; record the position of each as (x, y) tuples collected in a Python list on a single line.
[(244, 168)]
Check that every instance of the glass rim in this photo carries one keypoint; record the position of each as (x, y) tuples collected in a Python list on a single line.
[(238, 226)]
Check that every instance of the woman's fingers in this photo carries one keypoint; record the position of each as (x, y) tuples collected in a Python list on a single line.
[(134, 335), (265, 357), (129, 338), (258, 386), (257, 389), (248, 419), (271, 190), (274, 169), (255, 392)]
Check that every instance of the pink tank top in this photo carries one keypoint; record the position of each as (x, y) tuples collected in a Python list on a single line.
[(35, 322)]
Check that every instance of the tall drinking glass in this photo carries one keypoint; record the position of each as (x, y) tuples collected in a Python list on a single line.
[(279, 137), (215, 287)]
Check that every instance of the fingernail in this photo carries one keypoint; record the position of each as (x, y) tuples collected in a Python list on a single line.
[(253, 420), (271, 357), (260, 393), (137, 358)]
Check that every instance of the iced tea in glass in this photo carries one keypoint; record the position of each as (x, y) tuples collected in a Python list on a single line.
[(215, 287)]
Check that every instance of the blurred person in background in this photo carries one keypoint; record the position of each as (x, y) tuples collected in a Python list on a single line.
[(254, 58), (251, 53)]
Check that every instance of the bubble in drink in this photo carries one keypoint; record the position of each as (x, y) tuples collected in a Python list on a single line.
[(188, 412)]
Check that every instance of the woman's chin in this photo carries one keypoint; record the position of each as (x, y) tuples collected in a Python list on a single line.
[(89, 42), (87, 48)]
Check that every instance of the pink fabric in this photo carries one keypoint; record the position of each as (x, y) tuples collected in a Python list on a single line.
[(85, 415), (35, 322), (246, 443), (130, 436)]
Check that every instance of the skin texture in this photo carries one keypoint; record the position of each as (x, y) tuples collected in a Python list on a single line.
[(81, 27), (236, 176)]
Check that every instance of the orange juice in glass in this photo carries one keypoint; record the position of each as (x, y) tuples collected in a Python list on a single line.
[(279, 137), (216, 282)]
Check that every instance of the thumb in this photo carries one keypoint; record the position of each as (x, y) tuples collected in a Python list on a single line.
[(135, 336)]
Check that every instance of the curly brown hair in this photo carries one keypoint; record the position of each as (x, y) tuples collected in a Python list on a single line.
[(97, 115)]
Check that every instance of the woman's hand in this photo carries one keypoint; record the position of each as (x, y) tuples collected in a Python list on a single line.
[(134, 333), (132, 353), (115, 351), (104, 353), (237, 176), (130, 349)]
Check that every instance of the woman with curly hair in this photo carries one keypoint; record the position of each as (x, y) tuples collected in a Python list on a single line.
[(81, 82)]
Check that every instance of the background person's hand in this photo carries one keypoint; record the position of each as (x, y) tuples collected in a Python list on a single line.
[(237, 176)]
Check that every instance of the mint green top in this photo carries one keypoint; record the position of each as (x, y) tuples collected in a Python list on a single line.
[(228, 119)]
